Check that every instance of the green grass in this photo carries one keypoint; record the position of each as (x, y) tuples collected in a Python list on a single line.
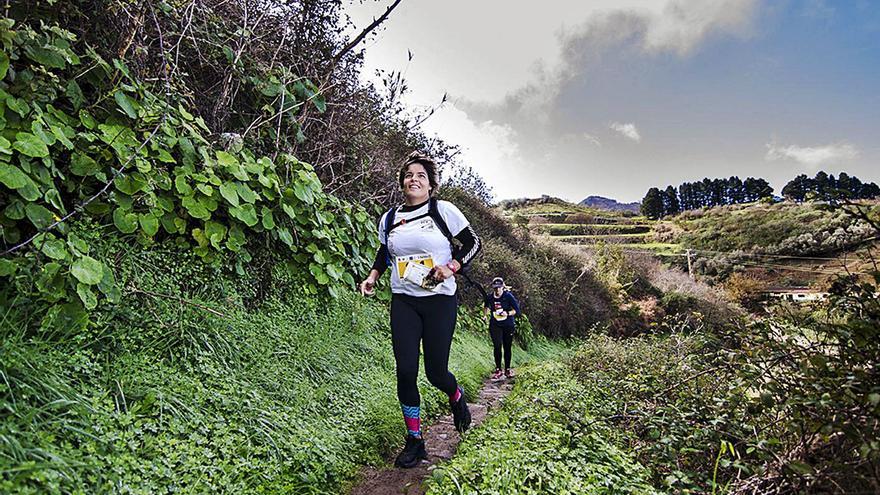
[(291, 394), (594, 238), (531, 447), (589, 229)]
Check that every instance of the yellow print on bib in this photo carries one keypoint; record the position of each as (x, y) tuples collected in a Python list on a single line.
[(422, 259)]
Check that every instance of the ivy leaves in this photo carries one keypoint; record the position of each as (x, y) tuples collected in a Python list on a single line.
[(169, 182)]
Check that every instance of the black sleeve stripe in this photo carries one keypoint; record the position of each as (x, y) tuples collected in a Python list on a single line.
[(474, 249)]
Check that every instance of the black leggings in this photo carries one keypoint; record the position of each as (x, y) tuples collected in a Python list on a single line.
[(431, 321), (499, 334)]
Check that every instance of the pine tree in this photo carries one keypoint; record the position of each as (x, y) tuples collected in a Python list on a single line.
[(652, 204), (671, 205), (797, 188)]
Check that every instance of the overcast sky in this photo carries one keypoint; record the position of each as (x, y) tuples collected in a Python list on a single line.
[(609, 98)]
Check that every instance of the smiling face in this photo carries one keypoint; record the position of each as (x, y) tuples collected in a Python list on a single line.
[(416, 185)]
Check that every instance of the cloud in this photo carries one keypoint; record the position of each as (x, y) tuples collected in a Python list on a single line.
[(812, 156), (684, 24), (592, 140), (627, 130), (488, 147)]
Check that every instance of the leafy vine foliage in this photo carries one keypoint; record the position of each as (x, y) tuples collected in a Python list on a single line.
[(79, 135)]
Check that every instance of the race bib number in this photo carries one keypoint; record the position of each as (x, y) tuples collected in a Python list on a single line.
[(401, 262)]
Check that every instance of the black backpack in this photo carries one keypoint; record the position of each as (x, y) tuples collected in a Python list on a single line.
[(435, 215)]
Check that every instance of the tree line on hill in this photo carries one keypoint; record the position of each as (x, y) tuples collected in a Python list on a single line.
[(825, 186), (659, 203)]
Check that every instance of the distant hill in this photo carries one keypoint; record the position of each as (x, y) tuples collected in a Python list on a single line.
[(609, 204)]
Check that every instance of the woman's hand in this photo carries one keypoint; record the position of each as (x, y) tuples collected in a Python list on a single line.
[(368, 286), (442, 272)]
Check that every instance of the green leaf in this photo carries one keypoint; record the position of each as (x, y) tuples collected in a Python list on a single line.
[(183, 113), (205, 189), (126, 222), (39, 215), (200, 238), (12, 176), (54, 249), (87, 120), (268, 219), (165, 156), (75, 94), (78, 245), (4, 65), (128, 184), (30, 145), (182, 185), (230, 55), (47, 55), (215, 232), (149, 224), (800, 467), (195, 208), (228, 191), (7, 267), (5, 145), (320, 103), (83, 165), (53, 197), (303, 192), (18, 105), (285, 236), (246, 213), (88, 298), (226, 160), (15, 210), (87, 270), (246, 193), (126, 103), (289, 210), (30, 192)]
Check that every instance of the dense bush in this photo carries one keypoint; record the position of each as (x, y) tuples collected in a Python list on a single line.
[(538, 443), (281, 77), (107, 147)]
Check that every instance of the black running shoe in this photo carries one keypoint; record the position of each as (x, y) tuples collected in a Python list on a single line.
[(461, 415), (413, 452)]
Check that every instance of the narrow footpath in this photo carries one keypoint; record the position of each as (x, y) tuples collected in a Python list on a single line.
[(441, 440)]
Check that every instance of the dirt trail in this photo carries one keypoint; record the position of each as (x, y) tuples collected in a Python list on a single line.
[(441, 439)]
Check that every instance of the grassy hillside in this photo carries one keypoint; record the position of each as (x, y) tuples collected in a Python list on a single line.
[(781, 228), (782, 244), (204, 380)]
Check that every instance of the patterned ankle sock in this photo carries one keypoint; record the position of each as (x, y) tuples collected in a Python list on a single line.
[(456, 395), (413, 421)]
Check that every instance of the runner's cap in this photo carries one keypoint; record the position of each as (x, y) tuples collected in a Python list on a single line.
[(497, 282)]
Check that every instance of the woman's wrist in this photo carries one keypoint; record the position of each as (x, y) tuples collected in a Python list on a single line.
[(454, 265)]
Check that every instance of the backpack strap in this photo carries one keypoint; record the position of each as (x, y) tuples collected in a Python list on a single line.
[(389, 225), (434, 213)]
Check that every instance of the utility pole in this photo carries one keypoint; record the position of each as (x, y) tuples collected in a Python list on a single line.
[(690, 269)]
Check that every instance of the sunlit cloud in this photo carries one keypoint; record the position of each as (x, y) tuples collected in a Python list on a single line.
[(592, 139), (812, 156), (627, 130)]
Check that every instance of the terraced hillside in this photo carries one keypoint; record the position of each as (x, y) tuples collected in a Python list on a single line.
[(586, 227)]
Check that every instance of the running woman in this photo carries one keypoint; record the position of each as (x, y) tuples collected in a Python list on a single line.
[(416, 243), (501, 307)]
